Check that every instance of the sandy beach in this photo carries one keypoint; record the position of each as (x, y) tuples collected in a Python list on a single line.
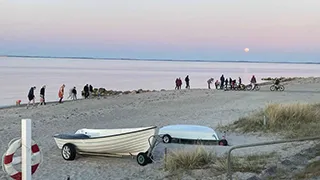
[(195, 106)]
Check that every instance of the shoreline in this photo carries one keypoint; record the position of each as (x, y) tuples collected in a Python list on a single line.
[(163, 60), (265, 81)]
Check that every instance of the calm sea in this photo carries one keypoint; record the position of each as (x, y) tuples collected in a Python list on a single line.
[(17, 75)]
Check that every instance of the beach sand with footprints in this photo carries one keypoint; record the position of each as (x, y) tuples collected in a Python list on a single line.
[(196, 106)]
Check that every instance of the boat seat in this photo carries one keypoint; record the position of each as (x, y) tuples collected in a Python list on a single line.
[(73, 136)]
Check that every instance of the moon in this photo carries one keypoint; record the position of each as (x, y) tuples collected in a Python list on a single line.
[(246, 50)]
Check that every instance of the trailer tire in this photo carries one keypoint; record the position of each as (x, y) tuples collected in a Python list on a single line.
[(143, 159), (68, 152)]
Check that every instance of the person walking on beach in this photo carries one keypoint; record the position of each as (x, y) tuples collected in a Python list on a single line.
[(226, 81), (187, 82), (210, 82), (253, 82), (42, 98), (177, 83), (240, 81), (222, 81), (74, 93), (86, 91), (61, 93), (31, 96)]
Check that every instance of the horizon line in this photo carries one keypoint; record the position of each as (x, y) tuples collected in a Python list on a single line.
[(153, 59)]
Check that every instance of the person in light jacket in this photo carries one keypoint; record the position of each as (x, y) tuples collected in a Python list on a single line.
[(210, 82), (61, 93)]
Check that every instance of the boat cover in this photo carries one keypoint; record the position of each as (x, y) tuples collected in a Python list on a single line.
[(72, 136)]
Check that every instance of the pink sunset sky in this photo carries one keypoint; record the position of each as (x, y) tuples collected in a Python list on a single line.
[(274, 30)]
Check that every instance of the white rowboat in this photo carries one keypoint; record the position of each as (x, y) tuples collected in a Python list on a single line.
[(126, 141)]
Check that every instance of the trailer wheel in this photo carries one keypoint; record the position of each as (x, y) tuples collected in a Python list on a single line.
[(166, 138), (143, 159), (68, 152)]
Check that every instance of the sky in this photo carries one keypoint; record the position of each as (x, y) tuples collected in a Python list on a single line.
[(273, 30)]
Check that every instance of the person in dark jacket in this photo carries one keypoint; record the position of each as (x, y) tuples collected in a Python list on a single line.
[(277, 82), (253, 82), (31, 96), (187, 82), (74, 93), (222, 81), (42, 97), (177, 84), (86, 91)]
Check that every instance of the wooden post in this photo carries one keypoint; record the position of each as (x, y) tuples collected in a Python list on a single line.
[(165, 158), (26, 148)]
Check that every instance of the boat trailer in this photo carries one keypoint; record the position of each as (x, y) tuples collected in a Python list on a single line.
[(144, 158)]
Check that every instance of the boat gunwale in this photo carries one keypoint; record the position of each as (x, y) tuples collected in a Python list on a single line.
[(149, 128)]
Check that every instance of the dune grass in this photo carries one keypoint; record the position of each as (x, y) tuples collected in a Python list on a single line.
[(184, 160), (311, 171), (290, 120), (254, 163), (187, 160)]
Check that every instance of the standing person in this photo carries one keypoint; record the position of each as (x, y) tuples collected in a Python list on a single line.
[(74, 93), (226, 81), (234, 82), (61, 93), (86, 91), (187, 82), (222, 81), (240, 81), (177, 84), (42, 98), (90, 90), (31, 96), (230, 81), (216, 84), (210, 82), (253, 82)]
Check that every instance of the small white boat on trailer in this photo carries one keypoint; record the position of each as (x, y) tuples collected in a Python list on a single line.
[(109, 142), (191, 132)]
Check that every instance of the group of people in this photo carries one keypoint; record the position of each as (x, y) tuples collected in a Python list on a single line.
[(232, 83), (179, 82), (222, 84), (87, 89), (31, 95)]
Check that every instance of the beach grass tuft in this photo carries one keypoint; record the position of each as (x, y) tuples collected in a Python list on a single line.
[(184, 160), (188, 160), (311, 171), (253, 163), (290, 120)]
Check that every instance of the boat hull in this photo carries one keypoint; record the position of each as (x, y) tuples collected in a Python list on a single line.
[(130, 143)]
